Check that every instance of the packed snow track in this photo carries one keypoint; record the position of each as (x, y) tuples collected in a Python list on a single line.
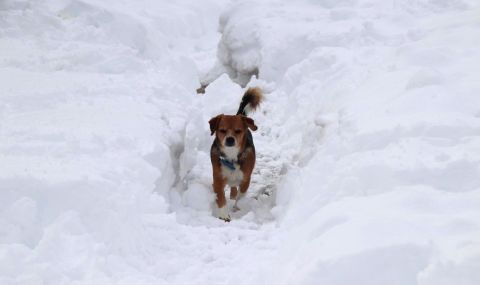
[(368, 147)]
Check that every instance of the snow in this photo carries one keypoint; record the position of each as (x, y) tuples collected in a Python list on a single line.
[(368, 145)]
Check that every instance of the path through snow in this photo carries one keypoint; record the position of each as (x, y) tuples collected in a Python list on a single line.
[(368, 142)]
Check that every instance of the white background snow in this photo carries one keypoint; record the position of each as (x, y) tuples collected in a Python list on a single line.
[(368, 142)]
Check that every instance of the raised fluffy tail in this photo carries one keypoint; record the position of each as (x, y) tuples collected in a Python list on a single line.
[(250, 101)]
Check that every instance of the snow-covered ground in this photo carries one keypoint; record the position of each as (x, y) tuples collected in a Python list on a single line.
[(368, 168)]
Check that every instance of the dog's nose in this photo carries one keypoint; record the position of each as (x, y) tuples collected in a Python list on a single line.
[(230, 141)]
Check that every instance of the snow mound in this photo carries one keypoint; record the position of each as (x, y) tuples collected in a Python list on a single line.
[(368, 142)]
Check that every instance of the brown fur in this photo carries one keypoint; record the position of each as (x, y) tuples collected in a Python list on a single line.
[(236, 126), (228, 125), (257, 96)]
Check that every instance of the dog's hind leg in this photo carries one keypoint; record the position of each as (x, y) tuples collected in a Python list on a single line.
[(233, 193), (243, 190)]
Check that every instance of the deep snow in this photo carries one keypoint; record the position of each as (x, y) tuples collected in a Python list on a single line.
[(368, 142)]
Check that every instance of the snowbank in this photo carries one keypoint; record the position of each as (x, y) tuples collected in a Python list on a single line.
[(383, 112), (368, 142), (391, 195)]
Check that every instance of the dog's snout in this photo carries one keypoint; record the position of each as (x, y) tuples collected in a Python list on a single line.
[(229, 141)]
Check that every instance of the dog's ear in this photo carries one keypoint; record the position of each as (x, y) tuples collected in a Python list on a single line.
[(214, 123), (250, 123)]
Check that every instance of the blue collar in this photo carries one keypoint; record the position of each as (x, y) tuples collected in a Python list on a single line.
[(227, 163)]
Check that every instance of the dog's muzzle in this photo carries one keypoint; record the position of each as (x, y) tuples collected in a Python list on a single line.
[(229, 141)]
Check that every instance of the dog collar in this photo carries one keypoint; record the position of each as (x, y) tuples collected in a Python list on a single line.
[(227, 163)]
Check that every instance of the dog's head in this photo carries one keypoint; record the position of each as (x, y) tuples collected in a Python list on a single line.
[(230, 130)]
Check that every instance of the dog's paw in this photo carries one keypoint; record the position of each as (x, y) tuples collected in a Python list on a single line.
[(223, 214), (225, 219)]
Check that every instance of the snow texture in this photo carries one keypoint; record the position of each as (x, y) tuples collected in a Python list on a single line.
[(368, 167)]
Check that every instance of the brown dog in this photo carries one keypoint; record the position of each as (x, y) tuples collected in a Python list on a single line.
[(232, 152)]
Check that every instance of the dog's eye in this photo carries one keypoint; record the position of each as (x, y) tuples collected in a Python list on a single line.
[(223, 131), (238, 131)]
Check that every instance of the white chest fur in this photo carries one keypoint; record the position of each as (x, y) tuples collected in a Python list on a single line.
[(233, 177), (230, 152)]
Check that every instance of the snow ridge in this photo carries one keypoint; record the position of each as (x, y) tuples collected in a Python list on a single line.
[(368, 142)]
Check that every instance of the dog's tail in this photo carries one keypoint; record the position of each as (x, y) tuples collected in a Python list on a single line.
[(250, 101)]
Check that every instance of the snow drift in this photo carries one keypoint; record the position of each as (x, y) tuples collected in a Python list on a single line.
[(368, 142)]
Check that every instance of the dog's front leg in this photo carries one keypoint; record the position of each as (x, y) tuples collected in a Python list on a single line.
[(218, 188)]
